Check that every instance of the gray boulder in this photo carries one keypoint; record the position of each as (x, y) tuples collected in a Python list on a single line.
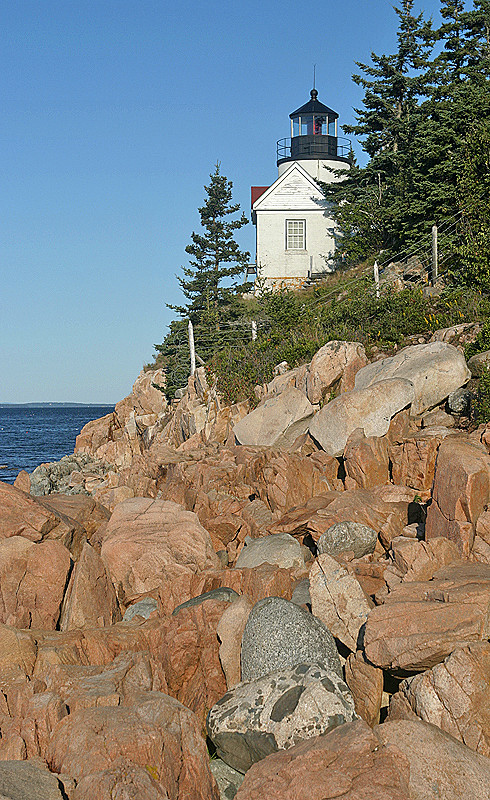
[(280, 549), (479, 363), (22, 780), (278, 421), (276, 712), (344, 536), (369, 408), (228, 779), (143, 608), (301, 594), (223, 593), (280, 635), (435, 369), (459, 401)]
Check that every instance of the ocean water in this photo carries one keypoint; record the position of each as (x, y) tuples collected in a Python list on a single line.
[(31, 436)]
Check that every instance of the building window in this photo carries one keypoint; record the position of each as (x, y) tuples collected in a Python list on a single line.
[(295, 234)]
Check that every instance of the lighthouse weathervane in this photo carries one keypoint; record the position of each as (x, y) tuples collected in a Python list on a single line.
[(296, 235)]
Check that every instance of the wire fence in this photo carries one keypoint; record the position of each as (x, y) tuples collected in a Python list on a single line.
[(423, 267)]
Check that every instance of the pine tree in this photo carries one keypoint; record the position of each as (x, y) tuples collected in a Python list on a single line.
[(210, 283), (216, 257), (458, 105), (418, 118), (372, 204), (472, 265)]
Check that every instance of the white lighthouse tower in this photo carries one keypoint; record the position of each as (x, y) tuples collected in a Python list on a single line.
[(295, 234)]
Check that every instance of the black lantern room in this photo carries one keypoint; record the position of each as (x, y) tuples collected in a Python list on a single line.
[(313, 134)]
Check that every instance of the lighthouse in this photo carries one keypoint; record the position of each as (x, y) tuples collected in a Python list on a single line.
[(295, 234)]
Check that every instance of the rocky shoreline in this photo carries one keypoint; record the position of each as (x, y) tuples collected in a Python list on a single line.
[(290, 601)]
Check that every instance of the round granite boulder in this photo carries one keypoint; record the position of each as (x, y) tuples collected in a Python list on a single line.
[(281, 635), (344, 536), (257, 718)]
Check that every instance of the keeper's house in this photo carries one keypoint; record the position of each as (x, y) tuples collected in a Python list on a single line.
[(295, 234)]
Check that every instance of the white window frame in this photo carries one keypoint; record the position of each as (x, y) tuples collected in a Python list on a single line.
[(296, 234)]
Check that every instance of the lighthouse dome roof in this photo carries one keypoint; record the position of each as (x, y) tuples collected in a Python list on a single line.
[(314, 106)]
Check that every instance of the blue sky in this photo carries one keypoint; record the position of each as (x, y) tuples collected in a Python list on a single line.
[(114, 113)]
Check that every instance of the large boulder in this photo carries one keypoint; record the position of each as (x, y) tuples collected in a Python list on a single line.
[(440, 766), (422, 622), (418, 560), (32, 582), (282, 417), (280, 549), (90, 599), (414, 459), (22, 780), (151, 749), (338, 600), (335, 363), (345, 537), (348, 763), (435, 370), (276, 712), (366, 461), (455, 695), (281, 635), (188, 651), (149, 543), (370, 408), (366, 684), (23, 515), (461, 492)]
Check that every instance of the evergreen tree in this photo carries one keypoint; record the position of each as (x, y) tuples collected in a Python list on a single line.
[(373, 204), (418, 118), (210, 283), (458, 105), (472, 266), (216, 257)]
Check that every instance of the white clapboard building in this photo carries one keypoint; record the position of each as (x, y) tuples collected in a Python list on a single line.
[(295, 235)]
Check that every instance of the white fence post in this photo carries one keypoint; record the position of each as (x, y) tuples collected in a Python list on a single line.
[(376, 277), (434, 254), (192, 348), (254, 330)]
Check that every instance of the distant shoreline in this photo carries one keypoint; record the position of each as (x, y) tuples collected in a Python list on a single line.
[(56, 405)]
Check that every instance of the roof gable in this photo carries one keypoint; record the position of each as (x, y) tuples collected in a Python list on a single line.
[(295, 189)]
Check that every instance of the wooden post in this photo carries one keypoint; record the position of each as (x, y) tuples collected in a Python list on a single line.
[(376, 277), (434, 254), (254, 330), (192, 348)]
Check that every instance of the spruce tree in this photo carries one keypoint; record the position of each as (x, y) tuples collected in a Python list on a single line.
[(454, 113), (373, 204), (216, 258), (472, 266), (211, 283), (417, 122)]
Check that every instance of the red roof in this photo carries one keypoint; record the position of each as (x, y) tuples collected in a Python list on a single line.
[(257, 191)]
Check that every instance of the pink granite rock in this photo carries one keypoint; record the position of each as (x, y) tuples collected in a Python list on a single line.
[(348, 763), (150, 543), (422, 622), (461, 491), (108, 750), (32, 582), (90, 598), (455, 695)]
